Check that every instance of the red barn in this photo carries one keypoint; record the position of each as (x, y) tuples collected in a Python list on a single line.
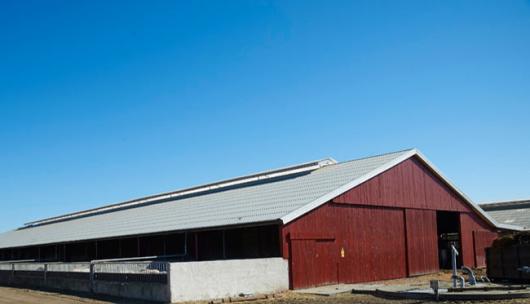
[(397, 221), (382, 217)]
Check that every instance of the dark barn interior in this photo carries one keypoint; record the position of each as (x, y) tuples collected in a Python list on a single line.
[(448, 227), (226, 243)]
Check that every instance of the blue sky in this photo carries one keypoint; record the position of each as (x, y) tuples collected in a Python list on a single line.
[(103, 101)]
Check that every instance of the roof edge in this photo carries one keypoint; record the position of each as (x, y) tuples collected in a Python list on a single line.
[(505, 205), (260, 176), (473, 205), (324, 199), (413, 152)]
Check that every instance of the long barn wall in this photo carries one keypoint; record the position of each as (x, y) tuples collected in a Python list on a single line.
[(371, 238)]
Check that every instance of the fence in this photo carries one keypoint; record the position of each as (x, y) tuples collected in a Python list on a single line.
[(33, 270), (6, 272), (151, 272), (39, 273), (78, 271)]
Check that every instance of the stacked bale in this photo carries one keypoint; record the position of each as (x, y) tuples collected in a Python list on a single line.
[(508, 256)]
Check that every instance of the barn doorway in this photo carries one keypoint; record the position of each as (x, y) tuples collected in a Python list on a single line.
[(448, 226)]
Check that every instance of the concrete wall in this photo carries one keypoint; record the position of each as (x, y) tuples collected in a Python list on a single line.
[(157, 292), (193, 281), (59, 284), (134, 290), (187, 281)]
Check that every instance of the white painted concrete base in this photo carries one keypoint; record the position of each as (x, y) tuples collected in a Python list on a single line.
[(192, 281)]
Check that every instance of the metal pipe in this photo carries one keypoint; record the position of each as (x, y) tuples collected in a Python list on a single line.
[(153, 257), (454, 254), (16, 261), (472, 278)]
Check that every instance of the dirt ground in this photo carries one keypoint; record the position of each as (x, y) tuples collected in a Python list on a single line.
[(290, 298), (25, 296)]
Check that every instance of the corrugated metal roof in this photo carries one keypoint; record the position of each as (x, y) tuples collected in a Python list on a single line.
[(173, 195), (510, 212), (262, 201)]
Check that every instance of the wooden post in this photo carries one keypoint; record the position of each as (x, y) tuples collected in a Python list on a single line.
[(224, 244), (281, 240), (164, 250), (92, 277), (186, 245), (196, 246), (519, 264), (168, 280)]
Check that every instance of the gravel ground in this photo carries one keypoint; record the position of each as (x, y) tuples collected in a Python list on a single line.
[(290, 298), (23, 296)]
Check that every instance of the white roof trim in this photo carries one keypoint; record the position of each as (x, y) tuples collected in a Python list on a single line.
[(326, 198), (519, 200), (414, 152), (473, 205)]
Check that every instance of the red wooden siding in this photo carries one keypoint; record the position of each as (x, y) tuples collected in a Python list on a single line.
[(422, 241), (481, 241), (475, 236), (317, 262), (411, 184), (386, 226), (408, 185), (373, 240)]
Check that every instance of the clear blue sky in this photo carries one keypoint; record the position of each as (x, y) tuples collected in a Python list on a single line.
[(103, 101)]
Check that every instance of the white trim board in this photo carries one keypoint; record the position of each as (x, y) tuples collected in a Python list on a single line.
[(414, 152)]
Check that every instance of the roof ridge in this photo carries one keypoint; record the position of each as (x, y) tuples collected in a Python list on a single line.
[(378, 155), (164, 196), (507, 205), (505, 202)]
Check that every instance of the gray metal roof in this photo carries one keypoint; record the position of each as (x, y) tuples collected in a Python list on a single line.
[(510, 212), (265, 200)]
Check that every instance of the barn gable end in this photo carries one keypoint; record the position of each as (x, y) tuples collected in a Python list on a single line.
[(408, 185), (386, 227)]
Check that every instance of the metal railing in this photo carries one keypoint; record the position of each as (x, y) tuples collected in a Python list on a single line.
[(154, 272), (30, 267), (79, 271), (69, 267), (147, 272)]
